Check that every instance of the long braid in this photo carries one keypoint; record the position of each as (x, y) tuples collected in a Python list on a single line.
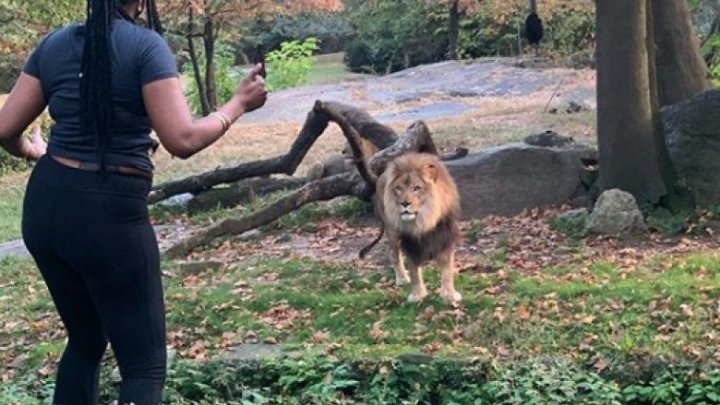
[(96, 81), (153, 16)]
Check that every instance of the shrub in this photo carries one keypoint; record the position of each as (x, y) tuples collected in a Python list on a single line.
[(290, 65)]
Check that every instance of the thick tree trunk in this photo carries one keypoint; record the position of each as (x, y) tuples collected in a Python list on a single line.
[(631, 154), (681, 70), (453, 29)]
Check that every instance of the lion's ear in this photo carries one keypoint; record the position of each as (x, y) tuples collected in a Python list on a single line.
[(430, 172)]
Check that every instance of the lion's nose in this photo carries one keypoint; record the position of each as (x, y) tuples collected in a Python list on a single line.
[(405, 204)]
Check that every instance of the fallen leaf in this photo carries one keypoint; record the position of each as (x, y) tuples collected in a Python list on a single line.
[(523, 313), (320, 336), (687, 310), (499, 314), (600, 364), (378, 334)]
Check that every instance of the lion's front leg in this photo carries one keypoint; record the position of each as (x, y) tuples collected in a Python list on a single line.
[(401, 275), (447, 274), (418, 285)]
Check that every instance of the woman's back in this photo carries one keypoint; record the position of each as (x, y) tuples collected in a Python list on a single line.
[(139, 56)]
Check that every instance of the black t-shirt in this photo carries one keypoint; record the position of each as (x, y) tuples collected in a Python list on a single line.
[(139, 56)]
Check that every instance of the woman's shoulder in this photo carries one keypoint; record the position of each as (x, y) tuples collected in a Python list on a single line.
[(127, 28), (62, 32)]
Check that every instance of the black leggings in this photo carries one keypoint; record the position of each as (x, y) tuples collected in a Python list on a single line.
[(93, 243)]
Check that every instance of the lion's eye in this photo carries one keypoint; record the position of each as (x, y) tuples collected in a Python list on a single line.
[(417, 189)]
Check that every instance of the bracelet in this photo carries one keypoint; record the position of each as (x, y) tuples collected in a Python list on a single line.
[(224, 120)]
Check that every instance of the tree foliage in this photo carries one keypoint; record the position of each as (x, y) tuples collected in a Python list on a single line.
[(208, 21)]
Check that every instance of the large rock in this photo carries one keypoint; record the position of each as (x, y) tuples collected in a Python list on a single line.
[(692, 135), (616, 214), (506, 180)]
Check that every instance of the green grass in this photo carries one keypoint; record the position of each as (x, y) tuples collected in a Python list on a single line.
[(605, 312), (624, 313), (10, 210), (330, 69)]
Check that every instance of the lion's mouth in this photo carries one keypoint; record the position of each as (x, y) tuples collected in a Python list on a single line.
[(408, 215)]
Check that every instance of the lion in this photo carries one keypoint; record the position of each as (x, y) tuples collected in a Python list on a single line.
[(418, 202)]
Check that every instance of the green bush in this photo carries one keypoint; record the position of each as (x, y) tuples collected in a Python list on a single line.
[(290, 65), (322, 380)]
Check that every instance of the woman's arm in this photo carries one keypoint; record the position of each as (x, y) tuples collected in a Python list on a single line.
[(24, 104), (172, 121)]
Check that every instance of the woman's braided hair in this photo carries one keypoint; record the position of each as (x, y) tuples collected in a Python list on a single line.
[(96, 84)]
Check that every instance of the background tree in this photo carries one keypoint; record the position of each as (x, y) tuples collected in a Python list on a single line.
[(681, 70), (211, 20), (632, 85), (456, 10)]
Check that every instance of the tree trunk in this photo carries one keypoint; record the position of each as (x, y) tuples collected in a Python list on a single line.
[(202, 92), (209, 42), (681, 70), (453, 29), (631, 154)]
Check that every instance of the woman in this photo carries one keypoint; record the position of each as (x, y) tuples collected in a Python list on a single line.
[(85, 218)]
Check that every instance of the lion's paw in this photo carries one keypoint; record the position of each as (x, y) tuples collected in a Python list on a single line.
[(451, 296), (417, 297), (401, 281)]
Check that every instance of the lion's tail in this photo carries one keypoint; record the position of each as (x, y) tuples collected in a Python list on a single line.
[(372, 244)]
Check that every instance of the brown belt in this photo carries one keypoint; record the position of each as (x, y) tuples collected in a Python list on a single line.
[(94, 167)]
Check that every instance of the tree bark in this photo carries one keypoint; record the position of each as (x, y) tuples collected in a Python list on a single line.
[(681, 70), (453, 29), (631, 155)]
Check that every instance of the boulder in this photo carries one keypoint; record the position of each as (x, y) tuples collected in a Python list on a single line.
[(692, 136), (548, 138), (573, 224), (508, 179), (616, 213)]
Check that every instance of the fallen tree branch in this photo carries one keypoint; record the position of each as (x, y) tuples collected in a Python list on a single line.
[(321, 190), (315, 124), (241, 192), (354, 139)]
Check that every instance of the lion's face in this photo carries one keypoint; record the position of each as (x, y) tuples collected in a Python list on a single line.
[(411, 193), (416, 192)]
